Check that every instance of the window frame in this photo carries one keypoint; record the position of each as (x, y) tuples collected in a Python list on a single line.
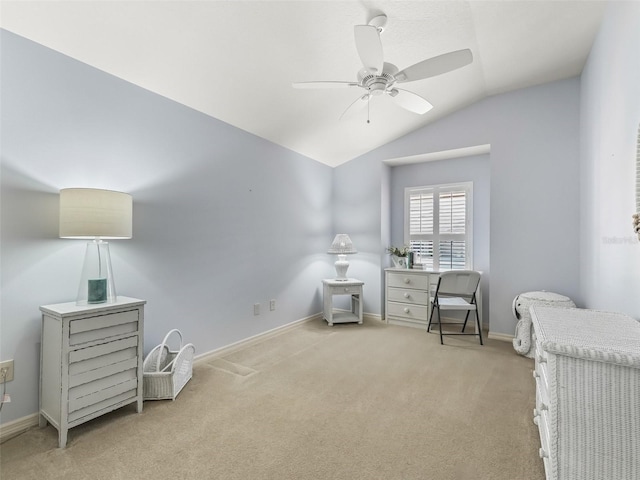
[(437, 190)]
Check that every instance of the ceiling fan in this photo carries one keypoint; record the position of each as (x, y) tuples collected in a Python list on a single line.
[(379, 77)]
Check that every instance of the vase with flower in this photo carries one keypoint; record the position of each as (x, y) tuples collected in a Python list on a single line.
[(400, 256)]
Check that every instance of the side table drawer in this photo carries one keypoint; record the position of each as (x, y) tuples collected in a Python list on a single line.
[(416, 312), (347, 289)]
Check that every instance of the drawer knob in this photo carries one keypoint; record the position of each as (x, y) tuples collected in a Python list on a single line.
[(406, 310), (544, 406), (407, 280), (536, 374), (542, 453), (406, 295), (346, 289), (536, 413)]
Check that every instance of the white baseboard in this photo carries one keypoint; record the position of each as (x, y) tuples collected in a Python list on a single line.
[(16, 427), (247, 342), (372, 317), (504, 337)]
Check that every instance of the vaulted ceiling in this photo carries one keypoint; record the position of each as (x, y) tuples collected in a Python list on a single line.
[(236, 60)]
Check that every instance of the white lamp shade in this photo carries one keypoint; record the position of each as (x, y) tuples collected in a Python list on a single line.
[(342, 244), (90, 213)]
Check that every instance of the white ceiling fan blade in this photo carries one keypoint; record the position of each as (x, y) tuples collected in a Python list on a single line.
[(304, 85), (359, 103), (369, 47), (435, 66), (410, 101)]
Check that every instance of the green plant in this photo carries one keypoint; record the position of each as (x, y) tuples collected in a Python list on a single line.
[(398, 251)]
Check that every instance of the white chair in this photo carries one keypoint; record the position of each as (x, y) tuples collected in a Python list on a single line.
[(456, 291)]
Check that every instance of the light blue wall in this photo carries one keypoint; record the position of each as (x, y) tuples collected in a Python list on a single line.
[(222, 218), (359, 210), (610, 115), (534, 192), (474, 169)]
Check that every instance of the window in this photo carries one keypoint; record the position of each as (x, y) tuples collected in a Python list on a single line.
[(438, 225)]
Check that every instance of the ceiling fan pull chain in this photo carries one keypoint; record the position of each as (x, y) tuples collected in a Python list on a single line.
[(368, 105)]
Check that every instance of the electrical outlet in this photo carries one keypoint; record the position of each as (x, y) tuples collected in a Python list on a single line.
[(272, 305), (256, 309), (6, 368)]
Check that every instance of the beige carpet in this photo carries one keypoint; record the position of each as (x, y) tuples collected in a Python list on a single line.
[(351, 401)]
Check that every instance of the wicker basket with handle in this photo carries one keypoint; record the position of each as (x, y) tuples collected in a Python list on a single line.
[(166, 371)]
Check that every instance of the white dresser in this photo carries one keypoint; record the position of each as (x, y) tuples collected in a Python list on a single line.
[(407, 294), (587, 371), (90, 362)]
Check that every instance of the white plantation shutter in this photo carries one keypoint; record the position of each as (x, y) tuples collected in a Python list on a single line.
[(438, 225), (421, 213), (453, 212)]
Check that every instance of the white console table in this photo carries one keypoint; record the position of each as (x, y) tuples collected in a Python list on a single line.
[(587, 371), (408, 293), (351, 287), (90, 361)]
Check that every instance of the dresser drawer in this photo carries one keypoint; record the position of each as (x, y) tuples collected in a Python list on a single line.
[(82, 414), (102, 326), (408, 296), (102, 349), (409, 311), (102, 389), (408, 280), (101, 367)]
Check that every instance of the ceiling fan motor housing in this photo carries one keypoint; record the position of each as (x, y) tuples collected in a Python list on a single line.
[(378, 84)]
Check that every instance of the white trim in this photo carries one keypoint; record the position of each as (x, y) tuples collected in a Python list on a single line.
[(503, 337), (247, 342), (442, 155), (16, 427), (376, 317)]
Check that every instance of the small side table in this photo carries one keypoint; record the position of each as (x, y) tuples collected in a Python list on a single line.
[(351, 287)]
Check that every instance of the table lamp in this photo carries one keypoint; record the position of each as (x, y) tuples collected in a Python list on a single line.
[(98, 215), (343, 246)]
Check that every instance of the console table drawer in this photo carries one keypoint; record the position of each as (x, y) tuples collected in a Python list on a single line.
[(419, 312), (408, 280), (408, 296)]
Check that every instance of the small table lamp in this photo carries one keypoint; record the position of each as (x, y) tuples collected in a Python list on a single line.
[(96, 214), (342, 245)]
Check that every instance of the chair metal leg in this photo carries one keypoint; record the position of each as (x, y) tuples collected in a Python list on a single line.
[(465, 320), (433, 307), (479, 327), (440, 323)]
